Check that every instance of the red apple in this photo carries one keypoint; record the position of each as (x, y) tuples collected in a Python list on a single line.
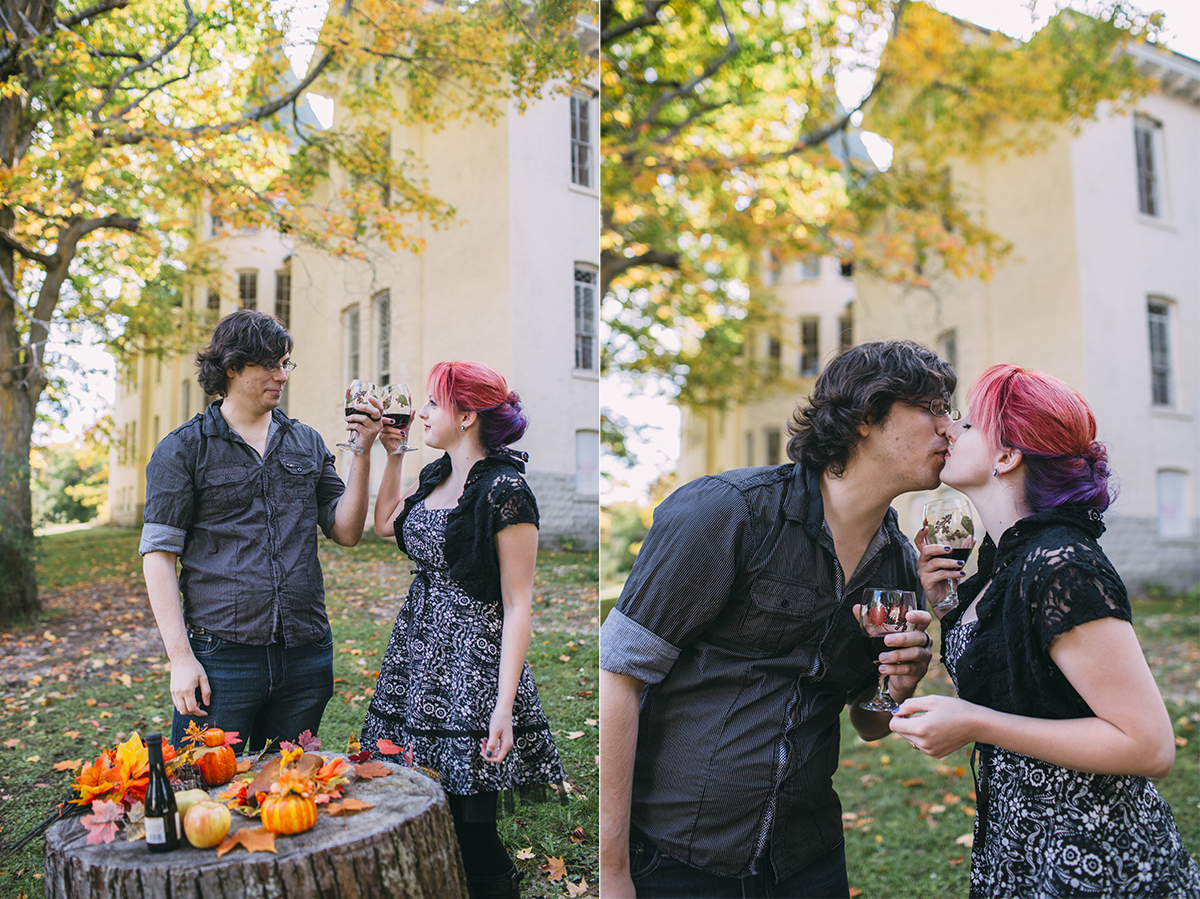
[(206, 824)]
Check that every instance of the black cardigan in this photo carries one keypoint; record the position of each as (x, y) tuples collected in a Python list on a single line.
[(494, 496), (1048, 575)]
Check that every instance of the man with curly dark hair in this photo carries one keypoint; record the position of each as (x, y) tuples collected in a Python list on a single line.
[(234, 497), (733, 649)]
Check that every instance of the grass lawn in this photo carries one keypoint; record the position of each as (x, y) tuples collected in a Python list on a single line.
[(91, 669)]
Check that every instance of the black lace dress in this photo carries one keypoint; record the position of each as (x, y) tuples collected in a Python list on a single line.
[(440, 673), (1042, 830)]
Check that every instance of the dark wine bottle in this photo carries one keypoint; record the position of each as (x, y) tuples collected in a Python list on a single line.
[(162, 819)]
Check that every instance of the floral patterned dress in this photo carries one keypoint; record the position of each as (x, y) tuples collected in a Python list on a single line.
[(1052, 832), (439, 677)]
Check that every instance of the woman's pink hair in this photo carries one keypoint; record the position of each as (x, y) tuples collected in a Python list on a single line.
[(1054, 429), (475, 387)]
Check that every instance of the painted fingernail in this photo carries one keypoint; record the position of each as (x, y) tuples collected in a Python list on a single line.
[(946, 548), (489, 753), (961, 564)]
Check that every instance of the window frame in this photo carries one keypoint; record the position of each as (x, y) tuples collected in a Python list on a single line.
[(809, 365), (352, 332), (247, 278), (1160, 312), (1149, 167), (583, 153), (587, 327)]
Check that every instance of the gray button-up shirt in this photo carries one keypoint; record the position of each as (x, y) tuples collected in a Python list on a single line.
[(244, 526), (737, 615)]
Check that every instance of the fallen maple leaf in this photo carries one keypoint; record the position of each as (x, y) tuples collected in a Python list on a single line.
[(554, 869), (575, 735), (368, 770), (232, 738), (855, 892), (526, 854), (967, 839), (579, 889), (348, 807), (245, 765), (564, 658), (387, 747), (257, 840), (67, 764), (914, 782), (308, 742), (71, 734), (578, 835)]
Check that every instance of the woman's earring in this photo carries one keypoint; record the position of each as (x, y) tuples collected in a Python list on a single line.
[(462, 427), (995, 472)]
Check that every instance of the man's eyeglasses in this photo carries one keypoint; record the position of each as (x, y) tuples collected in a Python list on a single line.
[(938, 408), (273, 367)]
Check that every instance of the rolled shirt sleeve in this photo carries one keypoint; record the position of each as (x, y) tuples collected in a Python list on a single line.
[(330, 488), (681, 581), (170, 494)]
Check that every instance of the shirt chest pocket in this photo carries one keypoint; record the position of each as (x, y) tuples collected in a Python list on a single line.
[(781, 614), (298, 471), (227, 489)]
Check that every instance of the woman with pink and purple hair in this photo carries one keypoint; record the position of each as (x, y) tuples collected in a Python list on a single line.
[(1053, 688), (454, 683)]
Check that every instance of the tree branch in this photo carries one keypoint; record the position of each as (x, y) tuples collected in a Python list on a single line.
[(612, 265), (192, 24), (688, 87), (8, 239), (648, 18)]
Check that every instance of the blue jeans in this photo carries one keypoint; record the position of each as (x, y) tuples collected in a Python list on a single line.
[(657, 877), (265, 693)]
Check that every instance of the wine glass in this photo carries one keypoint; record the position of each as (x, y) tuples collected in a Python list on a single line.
[(884, 611), (357, 392), (948, 522), (399, 401)]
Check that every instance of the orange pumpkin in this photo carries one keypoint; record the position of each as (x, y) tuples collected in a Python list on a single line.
[(288, 814), (217, 765), (214, 736)]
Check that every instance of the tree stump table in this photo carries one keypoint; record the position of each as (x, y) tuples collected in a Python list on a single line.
[(403, 848)]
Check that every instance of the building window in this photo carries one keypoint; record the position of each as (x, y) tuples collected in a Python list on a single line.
[(847, 268), (770, 269), (585, 318), (587, 463), (1146, 136), (774, 440), (214, 300), (581, 140), (1171, 488), (810, 352), (774, 356), (350, 324), (810, 268), (283, 297), (749, 448), (1158, 314), (383, 325), (248, 289), (846, 329)]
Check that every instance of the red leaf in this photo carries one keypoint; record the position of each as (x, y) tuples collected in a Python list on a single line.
[(308, 742), (348, 807), (102, 824), (232, 738), (387, 747)]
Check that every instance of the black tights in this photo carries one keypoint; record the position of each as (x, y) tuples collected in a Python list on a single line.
[(483, 853)]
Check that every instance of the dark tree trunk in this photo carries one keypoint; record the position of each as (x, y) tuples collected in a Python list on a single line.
[(22, 378)]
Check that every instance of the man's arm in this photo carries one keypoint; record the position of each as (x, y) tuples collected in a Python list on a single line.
[(351, 513), (620, 699), (186, 672)]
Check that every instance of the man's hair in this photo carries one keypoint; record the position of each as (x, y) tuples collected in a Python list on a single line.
[(242, 338), (860, 385)]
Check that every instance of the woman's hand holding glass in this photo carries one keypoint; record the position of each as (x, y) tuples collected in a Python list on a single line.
[(398, 415), (945, 542)]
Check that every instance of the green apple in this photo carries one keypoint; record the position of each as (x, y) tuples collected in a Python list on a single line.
[(185, 799)]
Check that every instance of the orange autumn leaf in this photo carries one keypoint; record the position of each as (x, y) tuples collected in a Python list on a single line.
[(257, 840), (554, 869), (579, 889), (95, 780), (387, 747), (67, 764), (855, 893), (348, 807), (368, 770), (245, 765), (578, 835)]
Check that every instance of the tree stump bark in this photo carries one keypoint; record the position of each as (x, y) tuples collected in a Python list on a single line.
[(404, 847)]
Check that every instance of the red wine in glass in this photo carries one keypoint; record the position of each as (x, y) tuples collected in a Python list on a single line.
[(400, 420)]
